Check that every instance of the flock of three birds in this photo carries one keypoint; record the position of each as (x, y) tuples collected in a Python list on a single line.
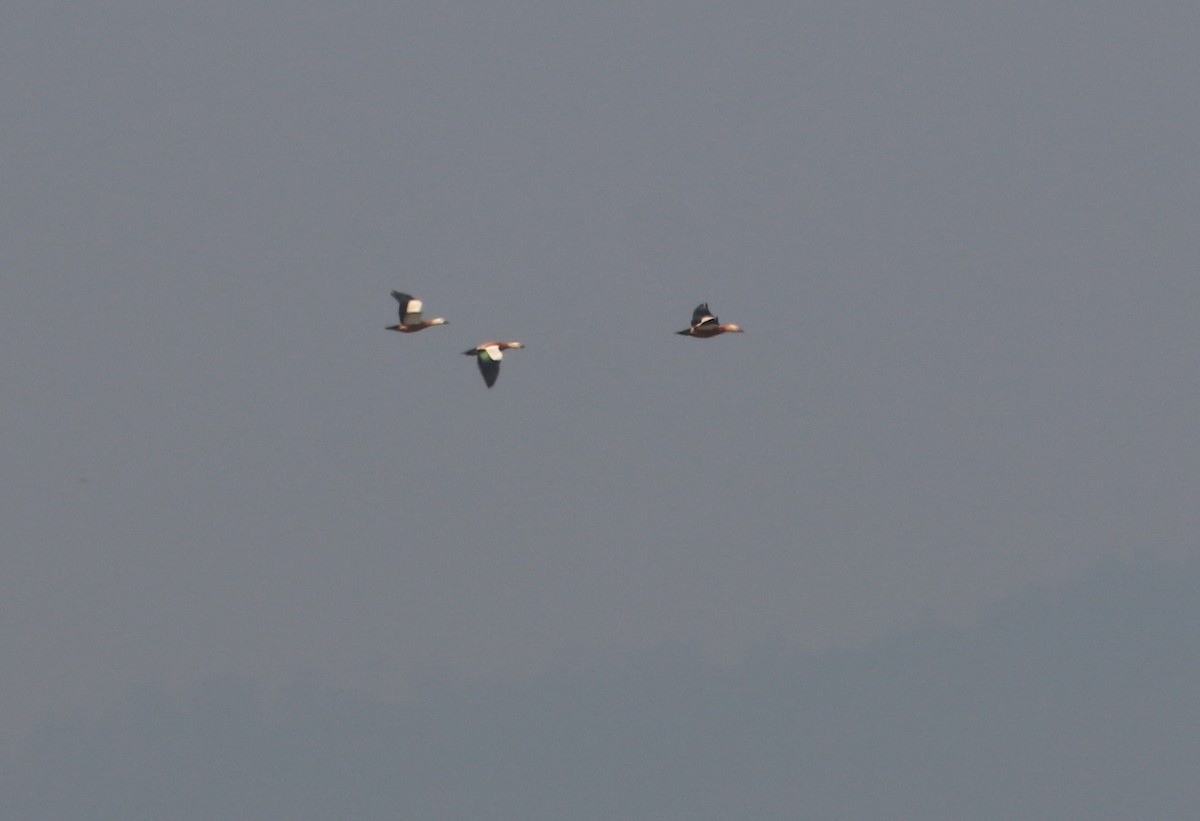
[(489, 354)]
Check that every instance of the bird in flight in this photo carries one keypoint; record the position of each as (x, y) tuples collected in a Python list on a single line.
[(411, 320), (704, 324), (488, 356)]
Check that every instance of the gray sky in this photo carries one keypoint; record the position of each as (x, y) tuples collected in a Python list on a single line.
[(962, 239), (1077, 702)]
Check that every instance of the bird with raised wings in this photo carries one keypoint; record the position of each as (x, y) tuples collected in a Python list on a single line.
[(704, 324), (411, 319)]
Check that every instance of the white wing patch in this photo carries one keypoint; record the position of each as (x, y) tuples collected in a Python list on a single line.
[(414, 307), (494, 353)]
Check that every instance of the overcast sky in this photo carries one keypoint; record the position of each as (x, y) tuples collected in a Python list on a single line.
[(962, 239)]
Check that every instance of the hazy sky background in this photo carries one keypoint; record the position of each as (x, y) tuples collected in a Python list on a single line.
[(962, 239)]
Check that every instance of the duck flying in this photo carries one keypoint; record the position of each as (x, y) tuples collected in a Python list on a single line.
[(488, 356), (704, 324), (411, 320)]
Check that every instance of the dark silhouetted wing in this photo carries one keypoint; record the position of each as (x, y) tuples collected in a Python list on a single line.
[(702, 316), (489, 367)]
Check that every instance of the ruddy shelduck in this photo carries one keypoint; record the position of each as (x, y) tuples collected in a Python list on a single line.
[(488, 356), (704, 324), (410, 315)]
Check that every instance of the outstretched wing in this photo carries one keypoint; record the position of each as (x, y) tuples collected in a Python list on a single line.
[(489, 363), (410, 308), (702, 316)]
